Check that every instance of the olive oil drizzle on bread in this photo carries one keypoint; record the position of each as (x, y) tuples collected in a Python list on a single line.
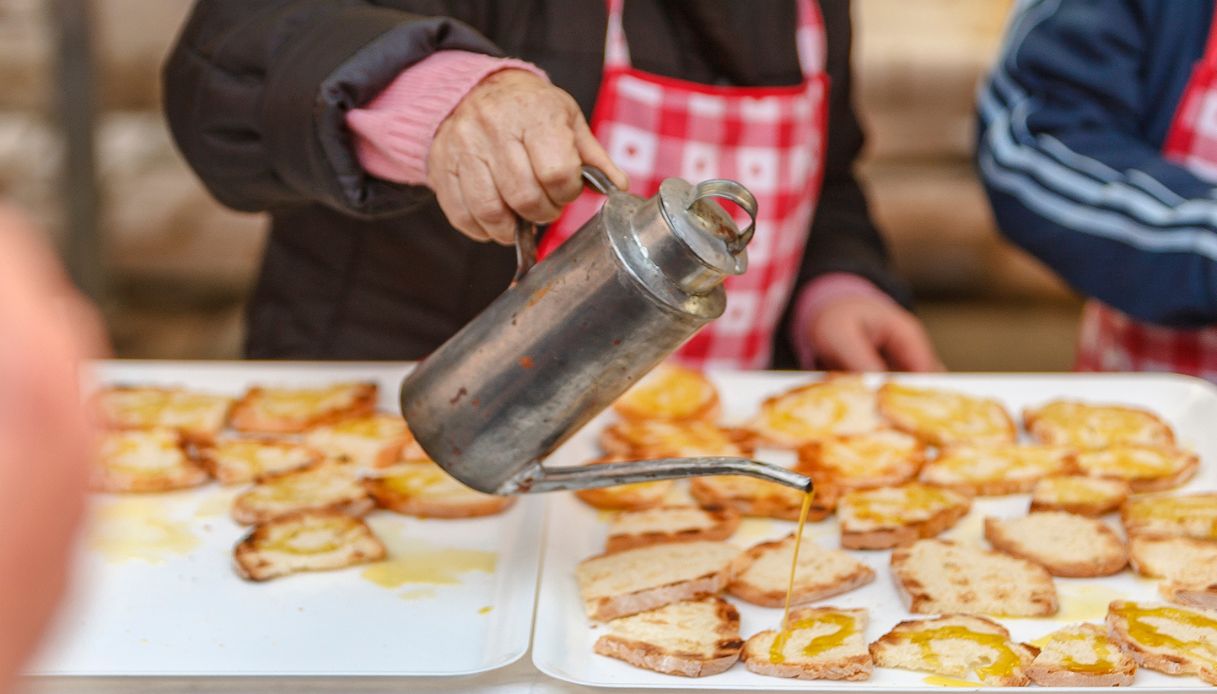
[(794, 563)]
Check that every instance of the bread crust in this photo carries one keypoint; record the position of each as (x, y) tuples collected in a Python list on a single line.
[(245, 417), (724, 522), (816, 461), (1171, 663), (653, 438), (649, 597), (649, 656), (1040, 423), (376, 449), (856, 667), (353, 502), (630, 497), (212, 458), (1041, 598), (1160, 515), (704, 407), (1187, 464), (1188, 565), (888, 644), (445, 498), (776, 502), (1003, 429), (908, 531), (253, 558), (775, 596), (159, 409), (1098, 506), (1017, 477), (108, 475), (853, 403), (1107, 552)]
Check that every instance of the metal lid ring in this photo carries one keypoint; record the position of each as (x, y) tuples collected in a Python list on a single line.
[(736, 193)]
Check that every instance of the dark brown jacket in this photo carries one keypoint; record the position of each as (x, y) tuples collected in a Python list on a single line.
[(360, 268)]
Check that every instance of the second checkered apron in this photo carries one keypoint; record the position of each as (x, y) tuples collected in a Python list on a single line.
[(771, 139), (1112, 341)]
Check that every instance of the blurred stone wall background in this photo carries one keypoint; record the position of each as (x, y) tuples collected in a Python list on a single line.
[(180, 265)]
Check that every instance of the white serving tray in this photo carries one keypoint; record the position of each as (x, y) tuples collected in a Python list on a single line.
[(563, 638), (188, 614)]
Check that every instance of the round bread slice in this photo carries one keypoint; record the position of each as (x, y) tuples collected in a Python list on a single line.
[(1166, 638), (422, 488), (890, 516), (941, 577), (371, 441), (635, 496), (837, 406), (863, 461), (148, 460), (694, 638), (324, 486), (198, 417), (996, 470), (630, 529), (752, 497), (1088, 426), (819, 643), (637, 580), (306, 541), (672, 393), (944, 417), (1081, 655), (295, 410), (1145, 468), (762, 573), (1160, 515), (956, 645), (1080, 494), (243, 460), (1065, 544), (656, 438), (1188, 565)]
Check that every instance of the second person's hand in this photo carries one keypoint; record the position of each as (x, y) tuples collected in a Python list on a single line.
[(512, 147)]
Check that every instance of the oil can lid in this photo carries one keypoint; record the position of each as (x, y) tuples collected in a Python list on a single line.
[(705, 227)]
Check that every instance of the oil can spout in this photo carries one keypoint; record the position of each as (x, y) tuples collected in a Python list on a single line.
[(542, 479)]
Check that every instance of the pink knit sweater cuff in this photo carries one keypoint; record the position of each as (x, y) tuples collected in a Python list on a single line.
[(812, 299), (393, 132)]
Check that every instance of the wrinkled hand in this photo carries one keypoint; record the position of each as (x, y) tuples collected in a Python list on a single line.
[(513, 146), (46, 436), (867, 333)]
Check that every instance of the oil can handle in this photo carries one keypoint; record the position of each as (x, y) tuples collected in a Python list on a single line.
[(736, 193), (526, 231)]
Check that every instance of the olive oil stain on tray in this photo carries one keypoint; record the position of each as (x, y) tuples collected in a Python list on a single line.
[(139, 529), (413, 561)]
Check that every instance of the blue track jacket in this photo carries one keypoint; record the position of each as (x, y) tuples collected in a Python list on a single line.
[(1071, 125)]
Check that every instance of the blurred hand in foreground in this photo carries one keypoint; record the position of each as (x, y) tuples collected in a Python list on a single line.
[(46, 436), (513, 146), (870, 333)]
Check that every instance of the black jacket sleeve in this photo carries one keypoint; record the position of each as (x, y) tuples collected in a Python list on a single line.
[(843, 236), (256, 93)]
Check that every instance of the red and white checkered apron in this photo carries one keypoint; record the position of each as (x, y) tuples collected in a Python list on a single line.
[(771, 139), (1112, 341)]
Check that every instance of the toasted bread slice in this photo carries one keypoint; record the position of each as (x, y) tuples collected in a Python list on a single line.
[(1087, 426), (324, 486), (1188, 565), (837, 406), (946, 418), (818, 643), (694, 638), (422, 488), (671, 393), (199, 417), (997, 470), (863, 461), (939, 577), (306, 541), (1081, 655), (1185, 515), (656, 526), (891, 516), (295, 410), (1080, 494), (240, 461), (762, 573), (752, 497), (1166, 638), (656, 438), (147, 460), (956, 645), (1145, 468), (635, 496), (637, 580), (1065, 544), (370, 441)]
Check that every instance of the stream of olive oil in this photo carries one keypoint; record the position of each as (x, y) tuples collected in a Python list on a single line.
[(794, 562)]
